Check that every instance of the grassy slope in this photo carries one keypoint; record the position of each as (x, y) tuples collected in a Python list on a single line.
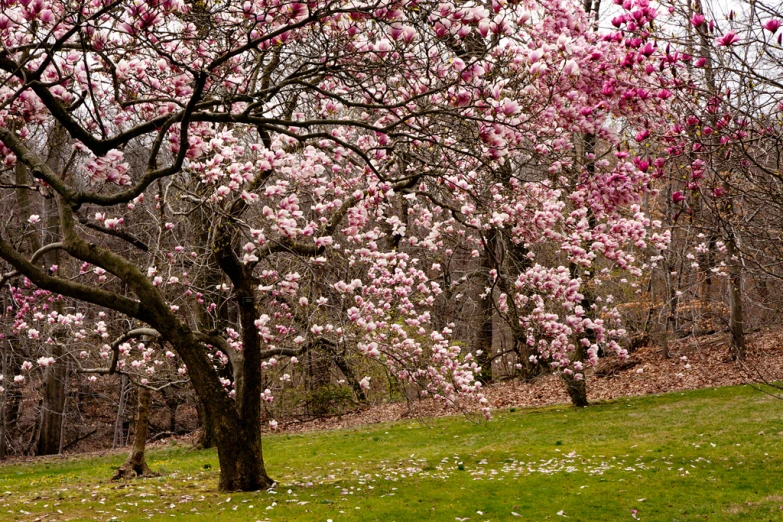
[(704, 455)]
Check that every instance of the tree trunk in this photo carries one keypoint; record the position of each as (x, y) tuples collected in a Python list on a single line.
[(736, 321), (483, 346), (209, 277), (577, 388), (238, 437), (54, 388), (172, 405), (53, 404), (64, 416), (241, 461), (4, 369), (136, 464), (664, 341), (119, 438), (206, 437), (171, 397), (236, 423), (577, 391), (706, 264)]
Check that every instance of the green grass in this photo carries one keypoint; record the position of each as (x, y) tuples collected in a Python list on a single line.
[(703, 455)]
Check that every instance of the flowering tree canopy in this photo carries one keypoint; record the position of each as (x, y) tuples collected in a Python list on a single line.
[(247, 181)]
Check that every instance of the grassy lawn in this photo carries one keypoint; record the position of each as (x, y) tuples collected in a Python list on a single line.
[(704, 455)]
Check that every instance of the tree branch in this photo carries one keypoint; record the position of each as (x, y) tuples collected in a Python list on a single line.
[(67, 288), (130, 238), (36, 256), (115, 349)]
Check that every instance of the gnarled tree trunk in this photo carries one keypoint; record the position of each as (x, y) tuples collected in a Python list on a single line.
[(136, 463), (206, 436), (53, 404), (577, 388), (241, 462), (483, 346), (53, 409)]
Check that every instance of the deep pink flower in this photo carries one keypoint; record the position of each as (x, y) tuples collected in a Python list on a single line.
[(728, 39), (641, 164), (46, 16), (697, 19), (772, 25)]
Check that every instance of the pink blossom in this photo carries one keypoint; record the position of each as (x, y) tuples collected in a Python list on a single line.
[(728, 39), (46, 16), (571, 68), (113, 223), (510, 107), (43, 362), (772, 25), (642, 135)]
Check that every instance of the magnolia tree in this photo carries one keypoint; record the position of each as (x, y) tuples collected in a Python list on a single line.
[(249, 181), (717, 152)]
